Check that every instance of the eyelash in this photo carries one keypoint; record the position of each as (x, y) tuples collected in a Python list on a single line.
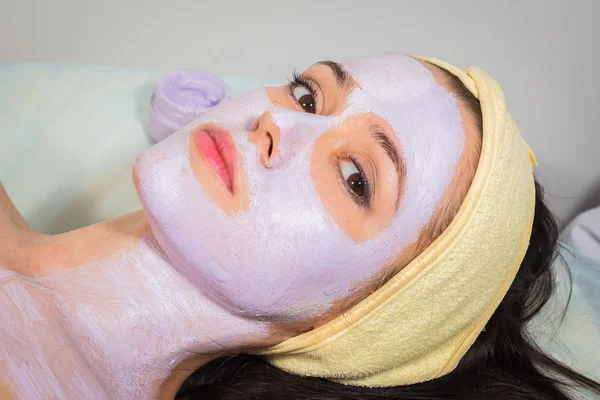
[(299, 80), (364, 201)]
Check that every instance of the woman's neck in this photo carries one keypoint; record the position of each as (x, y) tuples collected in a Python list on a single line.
[(106, 299)]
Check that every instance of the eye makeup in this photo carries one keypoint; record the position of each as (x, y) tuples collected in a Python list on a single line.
[(360, 183), (313, 89)]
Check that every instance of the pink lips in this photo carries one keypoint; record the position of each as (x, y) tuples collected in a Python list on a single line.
[(219, 153)]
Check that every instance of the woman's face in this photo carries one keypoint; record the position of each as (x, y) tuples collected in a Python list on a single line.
[(280, 202)]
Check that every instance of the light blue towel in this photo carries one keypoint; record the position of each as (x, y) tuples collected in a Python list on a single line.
[(575, 341)]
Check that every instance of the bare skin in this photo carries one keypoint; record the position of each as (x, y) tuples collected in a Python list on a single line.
[(31, 254)]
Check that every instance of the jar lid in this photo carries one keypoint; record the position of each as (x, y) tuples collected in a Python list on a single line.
[(180, 97)]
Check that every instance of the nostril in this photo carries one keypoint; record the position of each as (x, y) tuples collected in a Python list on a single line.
[(270, 151)]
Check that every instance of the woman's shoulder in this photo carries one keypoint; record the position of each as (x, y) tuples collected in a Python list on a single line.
[(19, 244)]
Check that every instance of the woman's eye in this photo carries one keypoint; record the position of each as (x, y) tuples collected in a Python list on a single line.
[(305, 98), (353, 177)]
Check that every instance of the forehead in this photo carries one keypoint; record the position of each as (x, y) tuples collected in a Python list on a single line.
[(400, 90), (397, 70)]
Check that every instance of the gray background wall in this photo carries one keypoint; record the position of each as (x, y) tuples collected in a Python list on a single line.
[(543, 52)]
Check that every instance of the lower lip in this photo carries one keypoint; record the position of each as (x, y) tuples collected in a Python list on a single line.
[(219, 154)]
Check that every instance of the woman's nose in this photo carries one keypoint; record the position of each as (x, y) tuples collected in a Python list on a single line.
[(267, 137)]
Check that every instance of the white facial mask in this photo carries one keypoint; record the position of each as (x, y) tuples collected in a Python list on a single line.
[(285, 258)]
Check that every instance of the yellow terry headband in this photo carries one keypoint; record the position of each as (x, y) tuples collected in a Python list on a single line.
[(421, 322)]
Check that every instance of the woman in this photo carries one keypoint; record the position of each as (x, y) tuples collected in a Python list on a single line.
[(266, 219)]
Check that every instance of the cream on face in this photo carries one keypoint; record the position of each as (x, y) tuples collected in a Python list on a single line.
[(285, 258)]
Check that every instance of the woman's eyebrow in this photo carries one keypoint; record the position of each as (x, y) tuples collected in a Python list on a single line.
[(342, 77), (377, 132)]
